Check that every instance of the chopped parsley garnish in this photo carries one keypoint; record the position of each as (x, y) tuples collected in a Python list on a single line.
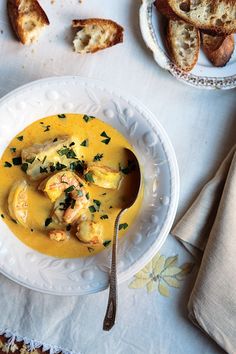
[(89, 177), (48, 221), (32, 230), (69, 189), (43, 170), (68, 227), (20, 138), (72, 144), (61, 116), (97, 202), (123, 226), (73, 203), (103, 217), (77, 166), (15, 222), (69, 202), (98, 157), (54, 140), (52, 168), (7, 164), (87, 195), (106, 243), (44, 159), (47, 128), (59, 166), (85, 143), (80, 184), (24, 167), (17, 161), (80, 193), (31, 160), (13, 149), (2, 216), (90, 249), (110, 207), (129, 168), (92, 209), (107, 140), (87, 118), (104, 194), (69, 153), (41, 123)]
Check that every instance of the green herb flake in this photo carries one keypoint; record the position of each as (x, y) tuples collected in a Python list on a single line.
[(89, 177), (2, 216), (80, 193), (106, 243), (31, 160), (59, 166), (13, 220), (69, 153), (87, 195), (17, 161), (103, 217), (72, 144), (20, 138), (69, 189), (44, 159), (43, 170), (24, 167), (98, 157), (52, 168), (7, 164), (104, 194), (107, 140), (54, 140), (92, 209), (123, 226), (90, 249), (47, 128), (48, 221), (129, 168), (12, 149), (110, 207), (85, 143), (77, 166), (73, 203), (61, 116), (87, 118), (32, 230)]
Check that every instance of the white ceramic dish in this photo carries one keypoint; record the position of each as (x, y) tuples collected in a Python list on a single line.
[(204, 74), (78, 95)]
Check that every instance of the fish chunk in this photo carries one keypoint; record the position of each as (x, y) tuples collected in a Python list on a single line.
[(103, 176), (18, 202)]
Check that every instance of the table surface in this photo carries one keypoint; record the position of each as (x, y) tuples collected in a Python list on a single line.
[(200, 124)]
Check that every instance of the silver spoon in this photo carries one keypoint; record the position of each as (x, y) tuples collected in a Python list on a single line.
[(110, 316)]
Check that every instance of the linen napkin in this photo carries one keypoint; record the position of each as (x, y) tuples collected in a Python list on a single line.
[(208, 230)]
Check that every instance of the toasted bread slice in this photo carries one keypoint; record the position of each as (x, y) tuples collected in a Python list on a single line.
[(27, 19), (218, 49), (164, 8), (218, 16), (96, 34), (183, 41)]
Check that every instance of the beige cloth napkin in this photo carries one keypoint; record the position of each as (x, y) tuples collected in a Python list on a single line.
[(208, 230)]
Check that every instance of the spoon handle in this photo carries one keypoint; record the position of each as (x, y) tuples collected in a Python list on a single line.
[(110, 316)]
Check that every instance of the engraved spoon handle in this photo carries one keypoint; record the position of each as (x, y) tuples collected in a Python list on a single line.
[(110, 316)]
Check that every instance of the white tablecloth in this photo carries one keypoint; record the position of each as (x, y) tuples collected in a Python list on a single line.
[(201, 125)]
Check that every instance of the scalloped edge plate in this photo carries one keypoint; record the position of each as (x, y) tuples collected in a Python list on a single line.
[(204, 75), (73, 94)]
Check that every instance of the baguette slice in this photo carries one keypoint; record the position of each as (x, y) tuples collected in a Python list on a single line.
[(27, 19), (164, 8), (218, 16), (218, 49), (183, 41), (96, 34)]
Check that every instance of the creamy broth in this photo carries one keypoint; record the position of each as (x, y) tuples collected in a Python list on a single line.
[(35, 235)]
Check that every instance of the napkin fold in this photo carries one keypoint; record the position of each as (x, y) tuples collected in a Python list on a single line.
[(208, 231)]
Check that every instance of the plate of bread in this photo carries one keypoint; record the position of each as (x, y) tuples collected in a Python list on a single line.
[(192, 39)]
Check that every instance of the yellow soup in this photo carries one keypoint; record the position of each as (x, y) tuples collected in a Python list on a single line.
[(90, 151)]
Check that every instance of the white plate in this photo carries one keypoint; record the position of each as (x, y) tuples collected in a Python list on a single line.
[(79, 95), (204, 74)]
